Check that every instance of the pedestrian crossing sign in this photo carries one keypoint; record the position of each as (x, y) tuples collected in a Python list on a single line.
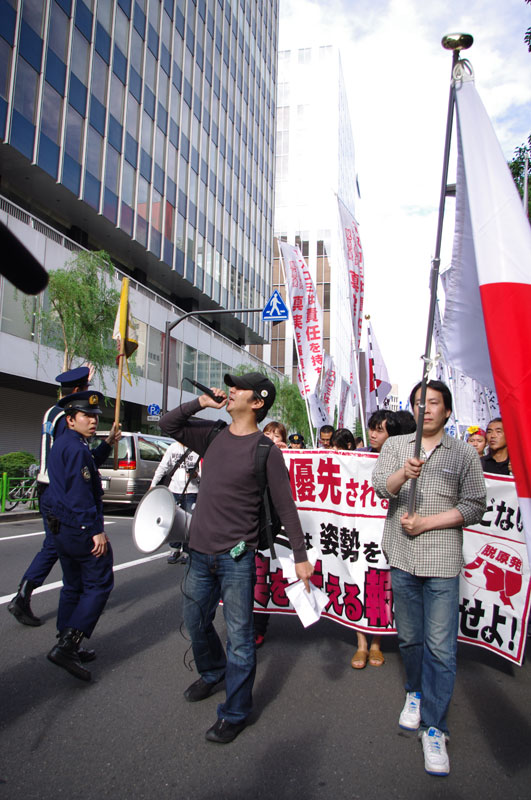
[(275, 309)]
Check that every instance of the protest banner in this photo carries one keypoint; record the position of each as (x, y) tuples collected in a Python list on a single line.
[(343, 518)]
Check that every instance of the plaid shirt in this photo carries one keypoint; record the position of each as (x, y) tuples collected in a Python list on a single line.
[(452, 477)]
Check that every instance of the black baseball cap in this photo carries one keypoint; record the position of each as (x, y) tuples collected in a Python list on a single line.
[(262, 387), (89, 402)]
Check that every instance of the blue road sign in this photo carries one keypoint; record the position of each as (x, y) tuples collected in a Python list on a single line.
[(275, 309), (153, 409)]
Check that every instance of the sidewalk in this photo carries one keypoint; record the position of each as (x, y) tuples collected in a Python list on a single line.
[(19, 514)]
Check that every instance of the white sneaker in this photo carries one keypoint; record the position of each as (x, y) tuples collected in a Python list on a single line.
[(410, 714), (436, 761)]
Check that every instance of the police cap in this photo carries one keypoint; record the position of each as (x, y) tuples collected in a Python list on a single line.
[(296, 438), (89, 402), (74, 377)]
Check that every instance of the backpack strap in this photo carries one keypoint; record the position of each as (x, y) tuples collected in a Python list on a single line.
[(49, 422), (260, 468)]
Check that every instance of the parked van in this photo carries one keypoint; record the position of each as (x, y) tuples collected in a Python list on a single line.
[(139, 455)]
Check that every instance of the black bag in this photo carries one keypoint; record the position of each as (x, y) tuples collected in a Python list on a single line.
[(166, 479)]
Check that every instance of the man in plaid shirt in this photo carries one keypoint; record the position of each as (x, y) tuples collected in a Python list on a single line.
[(424, 552)]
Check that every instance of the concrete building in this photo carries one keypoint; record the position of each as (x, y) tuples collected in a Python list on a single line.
[(314, 165), (146, 129)]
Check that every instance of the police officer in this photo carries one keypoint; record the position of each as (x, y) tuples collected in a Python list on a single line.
[(75, 517), (53, 425), (296, 441)]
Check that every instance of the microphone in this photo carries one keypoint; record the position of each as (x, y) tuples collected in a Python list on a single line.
[(205, 390)]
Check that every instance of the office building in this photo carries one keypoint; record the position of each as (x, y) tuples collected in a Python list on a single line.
[(145, 128)]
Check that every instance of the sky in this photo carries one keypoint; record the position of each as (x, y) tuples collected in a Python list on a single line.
[(397, 76)]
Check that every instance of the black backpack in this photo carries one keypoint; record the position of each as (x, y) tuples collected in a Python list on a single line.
[(270, 526)]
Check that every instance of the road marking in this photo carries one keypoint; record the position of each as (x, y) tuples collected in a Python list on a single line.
[(25, 535), (117, 567)]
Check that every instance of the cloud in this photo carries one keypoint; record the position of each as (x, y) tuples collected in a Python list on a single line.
[(397, 77)]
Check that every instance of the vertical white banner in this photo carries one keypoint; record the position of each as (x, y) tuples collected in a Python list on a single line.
[(306, 316), (354, 260)]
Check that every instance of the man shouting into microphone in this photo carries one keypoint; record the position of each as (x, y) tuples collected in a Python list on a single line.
[(223, 540)]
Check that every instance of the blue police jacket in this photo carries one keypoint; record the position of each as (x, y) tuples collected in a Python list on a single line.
[(74, 494)]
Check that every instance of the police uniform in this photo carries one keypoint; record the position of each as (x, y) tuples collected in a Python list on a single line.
[(53, 426), (75, 515), (297, 440)]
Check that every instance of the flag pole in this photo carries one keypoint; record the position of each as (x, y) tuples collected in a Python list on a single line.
[(454, 42), (124, 297)]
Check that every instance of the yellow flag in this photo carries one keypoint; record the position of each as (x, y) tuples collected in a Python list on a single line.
[(123, 328)]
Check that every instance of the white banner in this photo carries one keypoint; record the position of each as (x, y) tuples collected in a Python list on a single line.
[(343, 519), (307, 318), (354, 260), (345, 390), (327, 394)]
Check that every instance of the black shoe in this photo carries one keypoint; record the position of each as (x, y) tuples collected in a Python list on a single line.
[(200, 690), (65, 654), (224, 731), (175, 556), (20, 605)]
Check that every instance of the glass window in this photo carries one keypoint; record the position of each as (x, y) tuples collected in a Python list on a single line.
[(143, 198), (104, 14), (128, 185), (74, 134), (13, 319), (151, 70), (203, 368), (154, 13), (26, 90), (147, 133), (5, 67), (94, 154), (52, 113), (133, 116), (117, 98), (137, 51), (189, 362), (160, 141), (149, 451), (99, 79), (156, 211), (112, 169), (32, 14), (58, 32), (80, 57), (121, 30), (154, 370), (140, 329)]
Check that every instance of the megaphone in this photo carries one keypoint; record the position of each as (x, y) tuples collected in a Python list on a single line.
[(158, 519)]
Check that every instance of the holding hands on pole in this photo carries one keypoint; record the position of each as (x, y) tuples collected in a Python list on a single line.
[(115, 433)]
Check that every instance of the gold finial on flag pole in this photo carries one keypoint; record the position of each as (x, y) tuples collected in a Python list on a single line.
[(457, 41)]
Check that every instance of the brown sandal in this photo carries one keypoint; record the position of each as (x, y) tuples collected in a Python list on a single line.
[(361, 656), (376, 657)]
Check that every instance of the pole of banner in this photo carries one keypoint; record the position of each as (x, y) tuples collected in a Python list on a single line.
[(124, 299), (360, 399), (305, 398), (371, 362), (454, 42)]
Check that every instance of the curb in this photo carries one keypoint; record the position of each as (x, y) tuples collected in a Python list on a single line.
[(18, 516)]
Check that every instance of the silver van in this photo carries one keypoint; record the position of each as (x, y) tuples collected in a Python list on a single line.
[(139, 455)]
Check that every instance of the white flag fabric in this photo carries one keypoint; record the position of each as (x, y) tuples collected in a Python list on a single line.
[(306, 316), (327, 395), (354, 259), (378, 384), (345, 391), (463, 330), (502, 246)]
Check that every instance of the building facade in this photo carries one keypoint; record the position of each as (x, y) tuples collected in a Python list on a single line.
[(146, 128), (314, 166)]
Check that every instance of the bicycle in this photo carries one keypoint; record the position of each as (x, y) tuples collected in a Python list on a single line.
[(25, 490)]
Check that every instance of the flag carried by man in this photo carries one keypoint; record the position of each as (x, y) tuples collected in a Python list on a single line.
[(378, 384), (307, 318), (123, 330), (499, 266)]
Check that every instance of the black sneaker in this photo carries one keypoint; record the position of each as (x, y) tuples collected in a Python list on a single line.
[(200, 690), (175, 556), (224, 732)]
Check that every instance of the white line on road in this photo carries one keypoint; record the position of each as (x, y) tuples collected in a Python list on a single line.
[(117, 567), (25, 535)]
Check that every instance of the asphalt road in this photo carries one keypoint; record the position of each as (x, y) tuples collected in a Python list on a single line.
[(319, 729)]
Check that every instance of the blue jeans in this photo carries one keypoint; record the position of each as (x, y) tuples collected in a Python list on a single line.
[(209, 578), (426, 617)]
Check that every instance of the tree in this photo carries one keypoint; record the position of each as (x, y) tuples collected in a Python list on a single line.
[(78, 313), (517, 167)]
